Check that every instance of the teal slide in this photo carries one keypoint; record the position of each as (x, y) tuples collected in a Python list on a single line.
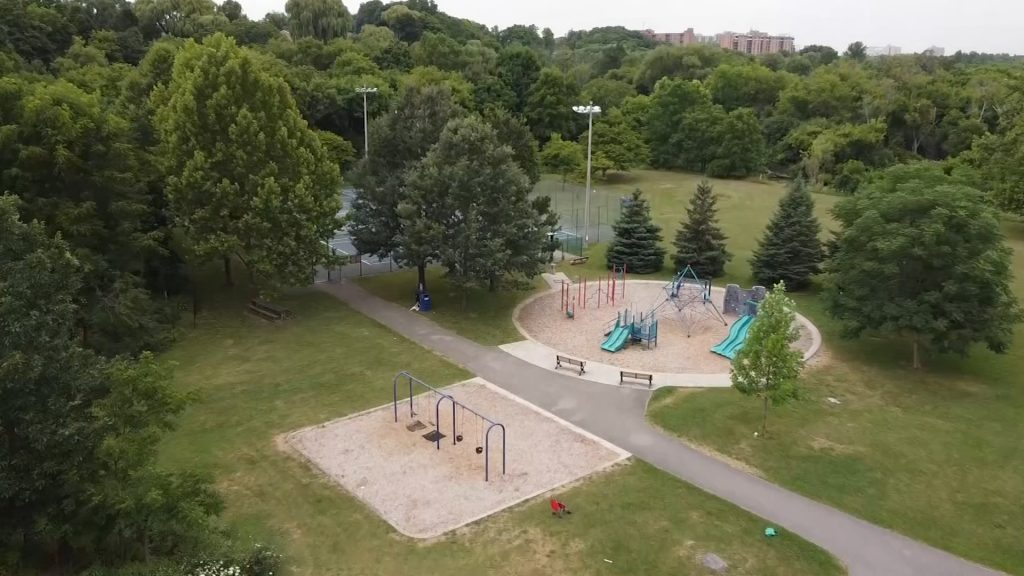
[(617, 339), (736, 338)]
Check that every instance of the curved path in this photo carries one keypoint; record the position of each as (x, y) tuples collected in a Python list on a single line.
[(618, 416)]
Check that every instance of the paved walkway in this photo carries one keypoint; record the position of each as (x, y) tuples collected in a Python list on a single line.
[(617, 415)]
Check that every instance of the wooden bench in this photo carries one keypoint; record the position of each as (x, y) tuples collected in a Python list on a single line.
[(559, 360), (636, 376), (268, 311), (579, 260)]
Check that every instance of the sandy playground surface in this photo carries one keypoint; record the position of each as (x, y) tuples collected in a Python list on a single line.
[(582, 336), (424, 492)]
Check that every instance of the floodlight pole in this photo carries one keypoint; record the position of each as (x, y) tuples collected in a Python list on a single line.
[(364, 90), (589, 110)]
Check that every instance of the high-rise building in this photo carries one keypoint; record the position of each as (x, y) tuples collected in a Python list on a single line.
[(755, 42), (752, 42), (887, 50), (934, 51)]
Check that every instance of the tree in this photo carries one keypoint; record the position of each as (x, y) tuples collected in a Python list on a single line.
[(181, 18), (246, 177), (231, 10), (607, 93), (519, 68), (407, 24), (823, 55), (856, 51), (999, 159), (767, 367), (469, 207), (562, 157), (403, 138), (741, 149), (671, 101), (618, 142), (637, 241), (700, 242), (320, 19), (370, 13), (746, 86), (922, 256), (514, 133), (549, 104), (790, 250)]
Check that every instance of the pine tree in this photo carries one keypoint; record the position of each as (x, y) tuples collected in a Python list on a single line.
[(790, 250), (700, 243), (637, 242)]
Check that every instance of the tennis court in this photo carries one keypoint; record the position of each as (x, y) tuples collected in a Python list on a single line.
[(353, 264)]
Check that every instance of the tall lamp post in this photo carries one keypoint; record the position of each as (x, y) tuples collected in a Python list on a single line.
[(589, 110), (364, 90)]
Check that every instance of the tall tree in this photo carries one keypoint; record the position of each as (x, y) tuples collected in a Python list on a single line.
[(246, 177), (514, 133), (700, 242), (549, 104), (618, 141), (320, 19), (856, 50), (671, 102), (519, 68), (469, 208), (790, 250), (637, 241), (923, 257), (767, 367), (741, 148), (404, 137), (562, 157)]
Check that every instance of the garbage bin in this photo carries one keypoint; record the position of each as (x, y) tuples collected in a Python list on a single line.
[(424, 302)]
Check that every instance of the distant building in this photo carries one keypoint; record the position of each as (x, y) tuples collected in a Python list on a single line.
[(752, 42), (887, 50), (934, 51), (755, 42)]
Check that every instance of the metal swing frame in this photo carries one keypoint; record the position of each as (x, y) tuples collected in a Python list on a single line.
[(437, 420)]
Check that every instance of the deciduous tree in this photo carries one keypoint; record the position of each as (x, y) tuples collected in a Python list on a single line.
[(320, 19), (549, 104), (767, 367), (922, 256)]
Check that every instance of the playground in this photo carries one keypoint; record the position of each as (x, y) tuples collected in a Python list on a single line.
[(425, 485), (685, 337)]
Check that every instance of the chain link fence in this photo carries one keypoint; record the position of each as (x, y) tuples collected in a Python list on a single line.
[(352, 263), (568, 200)]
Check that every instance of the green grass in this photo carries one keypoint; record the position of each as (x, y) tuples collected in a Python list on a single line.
[(485, 318), (257, 380)]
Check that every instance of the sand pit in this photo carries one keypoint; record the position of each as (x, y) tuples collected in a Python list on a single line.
[(424, 492), (581, 337)]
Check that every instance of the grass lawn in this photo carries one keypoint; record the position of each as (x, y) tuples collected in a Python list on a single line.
[(257, 380), (486, 317)]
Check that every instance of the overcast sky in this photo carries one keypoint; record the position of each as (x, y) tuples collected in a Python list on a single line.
[(981, 25)]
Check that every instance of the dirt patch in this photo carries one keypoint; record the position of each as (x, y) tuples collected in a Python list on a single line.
[(824, 444), (424, 490)]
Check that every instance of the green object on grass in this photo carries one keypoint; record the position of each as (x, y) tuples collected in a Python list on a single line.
[(769, 532)]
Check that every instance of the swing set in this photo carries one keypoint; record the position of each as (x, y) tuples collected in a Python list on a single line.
[(434, 399)]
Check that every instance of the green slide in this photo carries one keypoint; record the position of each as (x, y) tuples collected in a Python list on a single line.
[(617, 339), (736, 338)]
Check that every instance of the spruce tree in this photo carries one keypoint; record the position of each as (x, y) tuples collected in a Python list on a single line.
[(637, 242), (790, 250), (700, 243)]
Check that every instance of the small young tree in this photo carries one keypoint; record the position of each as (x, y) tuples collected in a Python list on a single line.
[(700, 243), (637, 241), (790, 250), (767, 366), (923, 257)]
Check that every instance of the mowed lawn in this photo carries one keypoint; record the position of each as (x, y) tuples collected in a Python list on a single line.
[(255, 381)]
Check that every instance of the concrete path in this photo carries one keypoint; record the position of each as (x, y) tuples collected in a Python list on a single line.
[(617, 415)]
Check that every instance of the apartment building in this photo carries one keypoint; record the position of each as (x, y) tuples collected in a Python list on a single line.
[(887, 50), (752, 42)]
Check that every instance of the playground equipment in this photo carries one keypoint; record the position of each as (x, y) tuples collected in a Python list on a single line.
[(736, 298), (736, 339), (484, 425), (605, 289), (691, 297), (628, 328)]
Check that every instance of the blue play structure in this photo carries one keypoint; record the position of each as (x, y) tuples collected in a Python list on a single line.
[(628, 328), (737, 332)]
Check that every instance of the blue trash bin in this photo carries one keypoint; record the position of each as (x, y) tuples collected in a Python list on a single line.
[(424, 302)]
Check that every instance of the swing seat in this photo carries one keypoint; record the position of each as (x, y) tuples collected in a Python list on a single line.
[(415, 426), (433, 436)]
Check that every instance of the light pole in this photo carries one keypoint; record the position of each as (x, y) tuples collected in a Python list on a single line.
[(364, 90), (589, 110)]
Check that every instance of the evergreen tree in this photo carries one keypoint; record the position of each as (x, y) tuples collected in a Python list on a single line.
[(700, 243), (790, 250), (637, 242)]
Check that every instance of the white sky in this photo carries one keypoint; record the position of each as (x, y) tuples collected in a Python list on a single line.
[(981, 25)]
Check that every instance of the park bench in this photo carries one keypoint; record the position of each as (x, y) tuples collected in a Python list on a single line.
[(579, 260), (559, 360), (636, 376), (268, 311)]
